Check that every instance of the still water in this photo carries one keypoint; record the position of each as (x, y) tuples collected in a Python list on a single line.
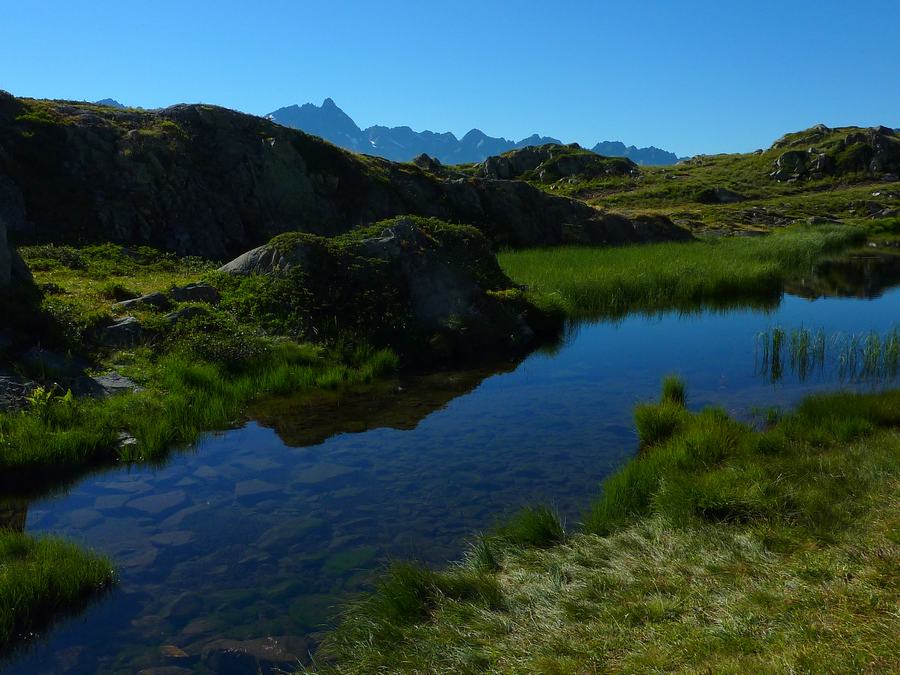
[(250, 538)]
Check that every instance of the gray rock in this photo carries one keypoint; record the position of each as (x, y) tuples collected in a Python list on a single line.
[(103, 386), (790, 164), (184, 313), (428, 163), (156, 300), (197, 292), (237, 657), (720, 195), (126, 332), (14, 390), (266, 260)]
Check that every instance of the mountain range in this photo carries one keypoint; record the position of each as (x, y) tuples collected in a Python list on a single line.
[(401, 144)]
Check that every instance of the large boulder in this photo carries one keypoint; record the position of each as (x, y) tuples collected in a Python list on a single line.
[(409, 282), (203, 180)]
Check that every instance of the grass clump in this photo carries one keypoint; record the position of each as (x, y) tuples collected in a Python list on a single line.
[(592, 282), (41, 578), (536, 526), (753, 551), (673, 390)]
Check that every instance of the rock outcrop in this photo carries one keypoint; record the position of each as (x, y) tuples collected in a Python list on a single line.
[(12, 216), (408, 281), (548, 163), (820, 152), (5, 257), (203, 180)]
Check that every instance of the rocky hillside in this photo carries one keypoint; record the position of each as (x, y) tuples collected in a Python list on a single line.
[(820, 152), (202, 180)]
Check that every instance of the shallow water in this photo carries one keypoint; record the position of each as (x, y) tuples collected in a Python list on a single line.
[(257, 533)]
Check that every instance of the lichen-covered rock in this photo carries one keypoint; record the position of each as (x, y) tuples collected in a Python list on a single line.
[(203, 180), (409, 282)]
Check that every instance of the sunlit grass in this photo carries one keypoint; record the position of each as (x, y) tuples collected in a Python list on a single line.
[(751, 551), (187, 397), (41, 578), (609, 282)]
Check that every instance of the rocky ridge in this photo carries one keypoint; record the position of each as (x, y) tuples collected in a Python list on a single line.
[(202, 180)]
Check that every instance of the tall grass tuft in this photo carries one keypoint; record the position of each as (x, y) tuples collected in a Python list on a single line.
[(856, 356), (673, 390), (41, 578), (537, 526)]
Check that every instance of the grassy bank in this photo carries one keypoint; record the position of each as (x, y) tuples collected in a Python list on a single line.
[(719, 548), (57, 435), (610, 282), (197, 374), (42, 578)]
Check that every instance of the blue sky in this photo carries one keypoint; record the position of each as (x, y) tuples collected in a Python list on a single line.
[(688, 76)]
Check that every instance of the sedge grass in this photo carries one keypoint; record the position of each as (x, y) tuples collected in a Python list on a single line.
[(591, 282), (187, 397), (41, 578)]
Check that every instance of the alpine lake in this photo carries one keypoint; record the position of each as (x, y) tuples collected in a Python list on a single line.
[(249, 541)]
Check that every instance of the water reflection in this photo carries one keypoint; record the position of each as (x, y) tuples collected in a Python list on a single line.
[(866, 274)]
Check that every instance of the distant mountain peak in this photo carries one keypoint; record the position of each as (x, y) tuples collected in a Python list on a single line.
[(402, 144), (109, 102)]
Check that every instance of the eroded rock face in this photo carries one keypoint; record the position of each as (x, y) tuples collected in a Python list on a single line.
[(433, 282), (207, 181)]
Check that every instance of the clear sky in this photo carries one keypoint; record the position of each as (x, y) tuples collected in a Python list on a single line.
[(688, 76)]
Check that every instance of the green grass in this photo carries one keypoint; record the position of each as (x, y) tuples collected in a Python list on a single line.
[(854, 357), (718, 549), (43, 578), (610, 282), (197, 375), (186, 396)]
